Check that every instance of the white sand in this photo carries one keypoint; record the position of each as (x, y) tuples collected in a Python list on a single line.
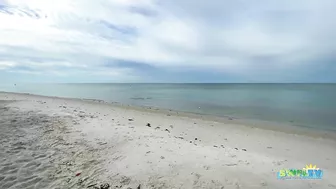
[(46, 141)]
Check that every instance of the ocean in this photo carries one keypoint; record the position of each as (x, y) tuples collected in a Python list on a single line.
[(305, 105)]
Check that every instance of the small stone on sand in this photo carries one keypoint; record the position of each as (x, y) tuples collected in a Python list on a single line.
[(231, 164), (105, 186)]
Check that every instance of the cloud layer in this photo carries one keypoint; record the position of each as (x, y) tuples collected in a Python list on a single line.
[(168, 41)]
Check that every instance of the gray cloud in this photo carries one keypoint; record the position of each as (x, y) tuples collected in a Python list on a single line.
[(251, 41)]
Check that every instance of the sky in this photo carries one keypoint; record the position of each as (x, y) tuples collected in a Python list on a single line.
[(167, 41)]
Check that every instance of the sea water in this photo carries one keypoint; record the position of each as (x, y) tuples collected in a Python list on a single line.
[(306, 105)]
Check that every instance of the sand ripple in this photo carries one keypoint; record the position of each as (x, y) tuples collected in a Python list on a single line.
[(35, 152)]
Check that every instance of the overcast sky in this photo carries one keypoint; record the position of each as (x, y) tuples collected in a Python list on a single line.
[(167, 41)]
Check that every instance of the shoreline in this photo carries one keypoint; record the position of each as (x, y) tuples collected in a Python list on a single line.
[(250, 123)]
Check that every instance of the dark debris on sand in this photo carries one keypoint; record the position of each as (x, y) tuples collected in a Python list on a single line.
[(102, 186)]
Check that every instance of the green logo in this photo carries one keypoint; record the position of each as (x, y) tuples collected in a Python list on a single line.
[(309, 172)]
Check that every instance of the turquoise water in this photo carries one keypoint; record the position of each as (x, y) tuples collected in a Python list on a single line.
[(308, 105)]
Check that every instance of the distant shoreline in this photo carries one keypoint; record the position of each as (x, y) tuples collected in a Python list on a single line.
[(261, 124), (302, 105)]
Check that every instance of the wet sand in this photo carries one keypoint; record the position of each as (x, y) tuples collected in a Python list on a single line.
[(50, 142)]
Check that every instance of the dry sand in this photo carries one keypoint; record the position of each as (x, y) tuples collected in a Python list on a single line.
[(50, 142)]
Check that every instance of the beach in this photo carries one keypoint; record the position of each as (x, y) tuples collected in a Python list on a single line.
[(53, 142)]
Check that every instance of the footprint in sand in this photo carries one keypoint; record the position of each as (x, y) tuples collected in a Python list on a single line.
[(206, 167), (279, 162)]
